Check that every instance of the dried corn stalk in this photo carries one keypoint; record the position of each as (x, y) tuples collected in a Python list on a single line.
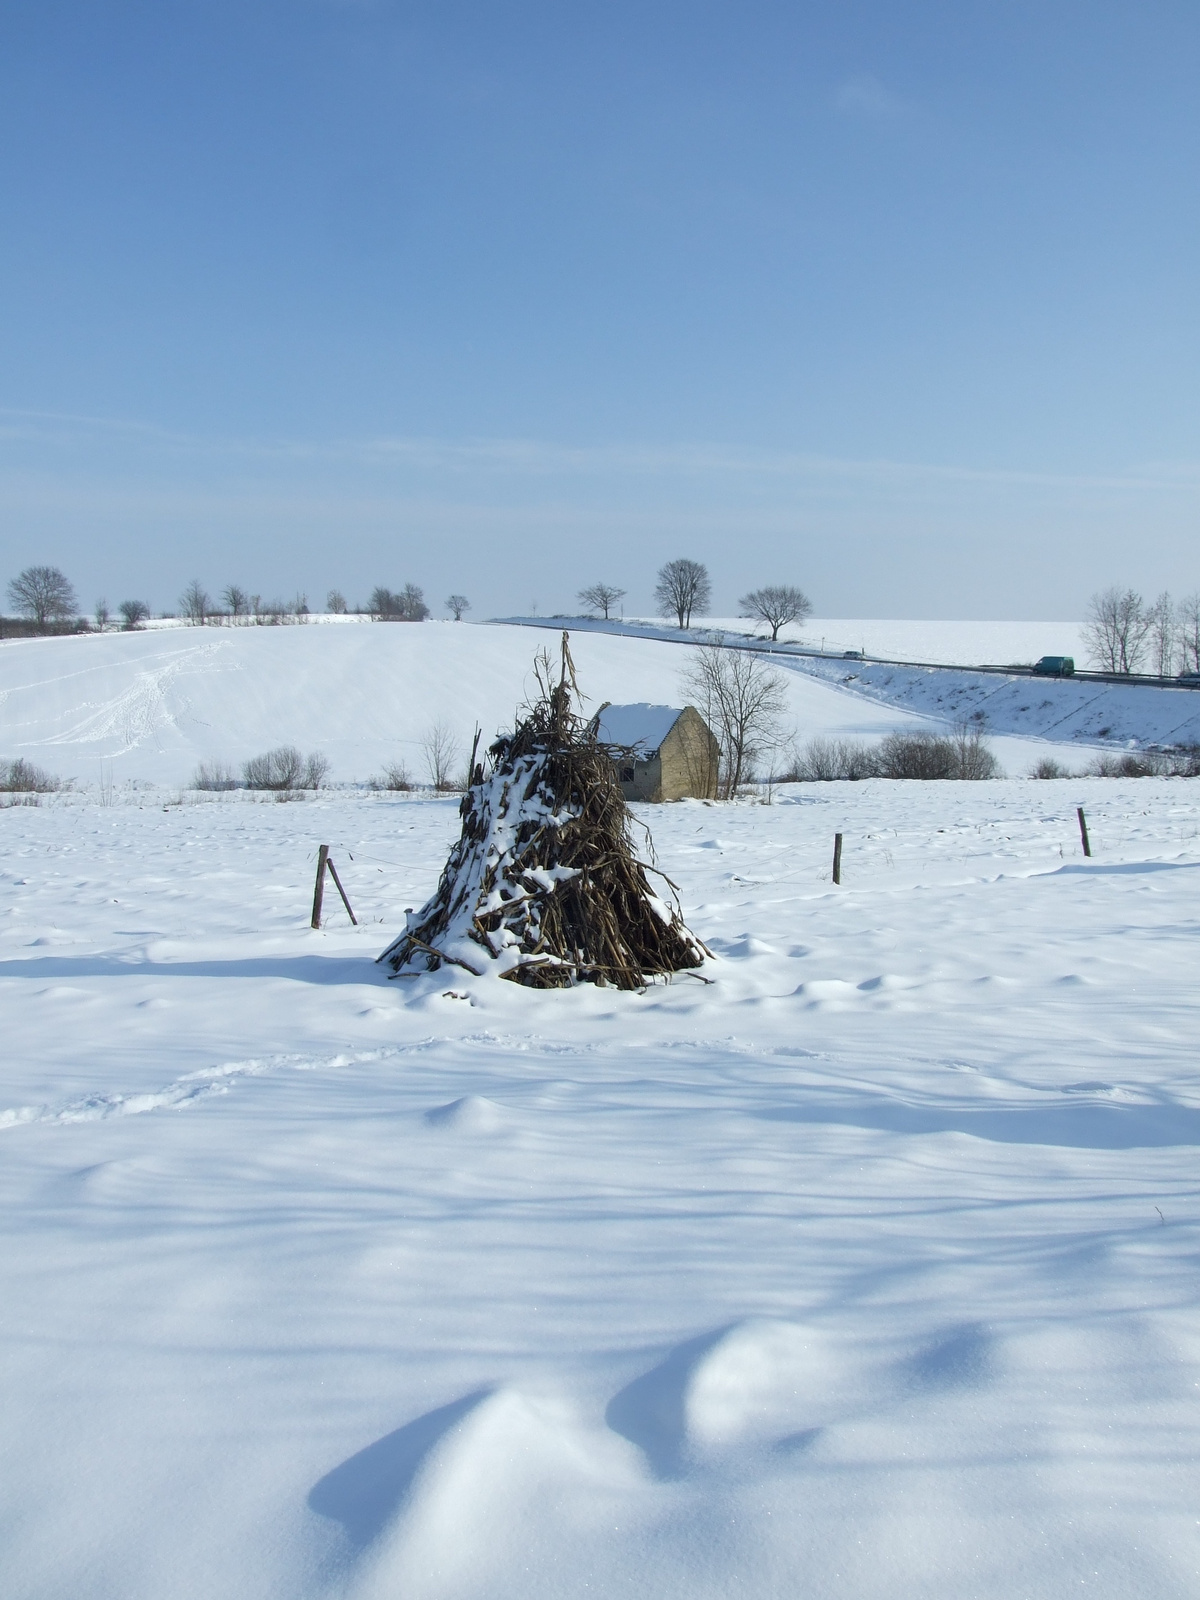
[(543, 886)]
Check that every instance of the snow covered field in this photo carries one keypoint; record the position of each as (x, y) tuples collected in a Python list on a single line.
[(956, 643), (866, 1271), (904, 639), (149, 707)]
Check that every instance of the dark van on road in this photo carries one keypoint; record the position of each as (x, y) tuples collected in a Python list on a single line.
[(1055, 667)]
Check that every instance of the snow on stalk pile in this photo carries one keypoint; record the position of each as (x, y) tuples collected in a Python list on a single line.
[(543, 887)]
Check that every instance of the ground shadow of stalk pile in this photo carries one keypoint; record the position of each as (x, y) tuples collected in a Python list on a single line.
[(543, 886)]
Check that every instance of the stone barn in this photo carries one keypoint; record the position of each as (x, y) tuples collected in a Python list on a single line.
[(660, 752)]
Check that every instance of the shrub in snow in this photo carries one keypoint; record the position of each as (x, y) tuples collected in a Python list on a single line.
[(929, 755), (316, 770), (828, 760), (543, 887), (1047, 767), (1181, 763), (961, 754), (22, 777), (215, 775), (285, 768), (394, 776)]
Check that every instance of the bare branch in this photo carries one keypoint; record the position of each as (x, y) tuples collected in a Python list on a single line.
[(43, 594), (600, 597), (682, 588), (743, 700), (776, 604)]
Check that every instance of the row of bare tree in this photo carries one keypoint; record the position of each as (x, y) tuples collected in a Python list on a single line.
[(47, 598), (1124, 633), (683, 588)]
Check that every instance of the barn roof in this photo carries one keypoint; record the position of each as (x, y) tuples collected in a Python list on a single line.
[(641, 727)]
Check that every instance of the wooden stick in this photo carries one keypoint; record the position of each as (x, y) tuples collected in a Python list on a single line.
[(1083, 833), (837, 858), (441, 955), (342, 892), (319, 888)]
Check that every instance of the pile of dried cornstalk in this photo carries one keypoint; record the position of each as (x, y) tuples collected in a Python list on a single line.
[(543, 886)]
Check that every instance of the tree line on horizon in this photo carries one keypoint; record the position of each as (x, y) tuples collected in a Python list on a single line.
[(46, 598), (1123, 633)]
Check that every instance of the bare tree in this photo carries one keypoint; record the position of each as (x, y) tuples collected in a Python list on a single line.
[(281, 768), (335, 603), (973, 759), (456, 604), (284, 768), (743, 700), (412, 601), (601, 597), (827, 760), (395, 776), (776, 604), (103, 615), (133, 614), (195, 603), (1163, 635), (1115, 629), (215, 776), (442, 751), (316, 768), (682, 588), (407, 606), (236, 601), (1188, 616), (44, 594)]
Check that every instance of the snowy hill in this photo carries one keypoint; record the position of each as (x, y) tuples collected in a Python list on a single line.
[(151, 706)]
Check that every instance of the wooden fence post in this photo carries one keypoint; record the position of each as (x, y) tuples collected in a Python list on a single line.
[(1083, 833), (341, 891), (319, 890), (324, 864), (837, 858)]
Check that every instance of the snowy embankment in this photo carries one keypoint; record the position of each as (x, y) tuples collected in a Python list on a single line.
[(1061, 710), (864, 1271), (1058, 709), (149, 707), (894, 639)]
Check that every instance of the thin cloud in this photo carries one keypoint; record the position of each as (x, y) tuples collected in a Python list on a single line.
[(539, 458), (865, 97)]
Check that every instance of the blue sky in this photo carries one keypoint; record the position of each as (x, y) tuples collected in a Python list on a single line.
[(899, 303)]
